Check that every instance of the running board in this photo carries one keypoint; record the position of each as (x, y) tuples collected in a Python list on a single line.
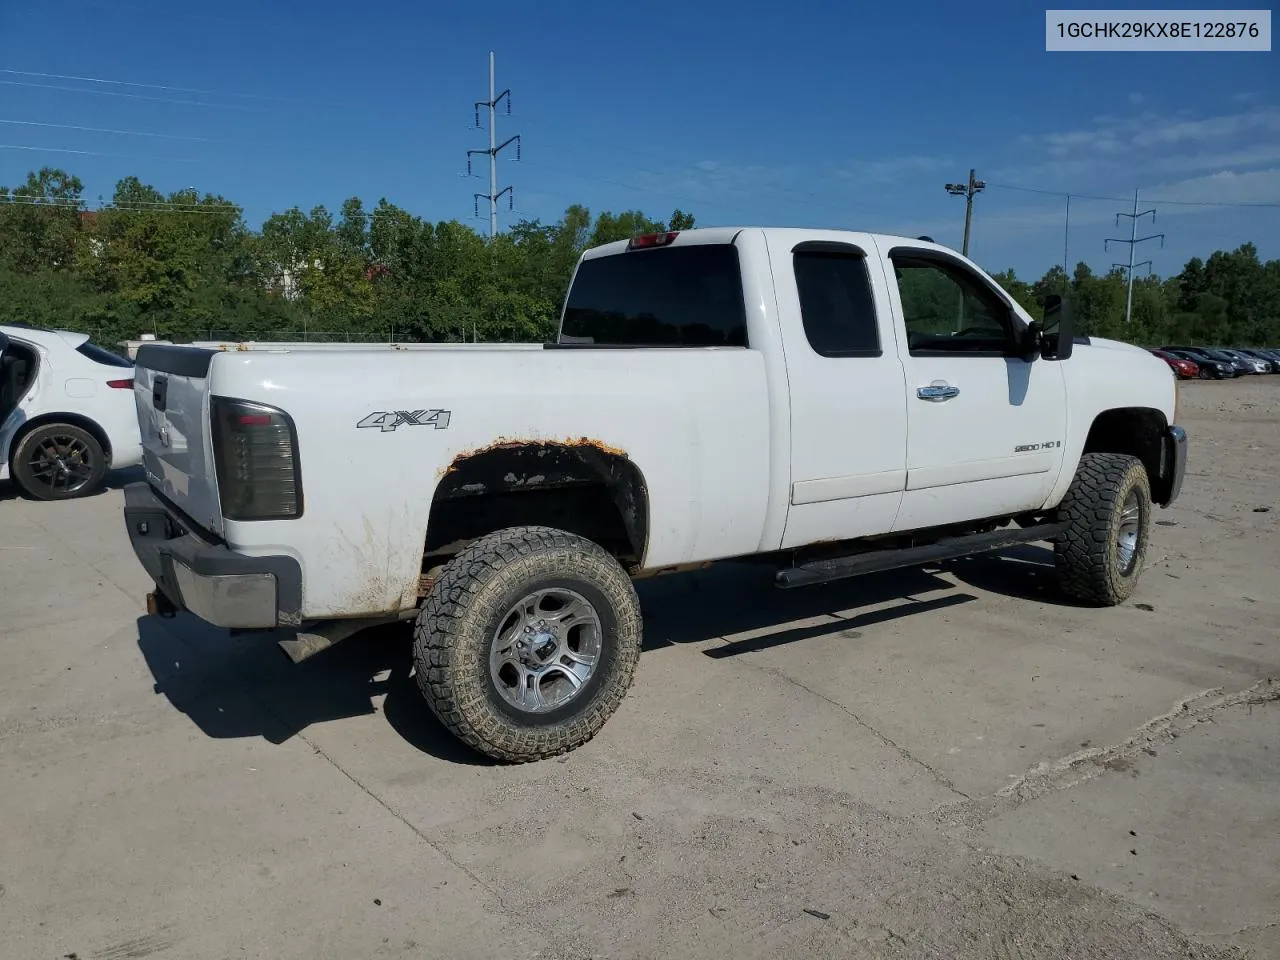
[(948, 548)]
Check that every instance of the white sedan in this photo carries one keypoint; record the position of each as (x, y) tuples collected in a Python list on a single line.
[(67, 413)]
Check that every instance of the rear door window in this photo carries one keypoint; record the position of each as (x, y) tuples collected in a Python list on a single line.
[(681, 296), (836, 304)]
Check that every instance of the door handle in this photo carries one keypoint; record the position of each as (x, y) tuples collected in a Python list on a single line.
[(937, 392)]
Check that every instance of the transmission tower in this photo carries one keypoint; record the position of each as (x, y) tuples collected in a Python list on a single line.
[(495, 148), (1133, 242)]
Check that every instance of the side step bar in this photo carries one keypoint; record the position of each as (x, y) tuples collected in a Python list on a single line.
[(948, 548)]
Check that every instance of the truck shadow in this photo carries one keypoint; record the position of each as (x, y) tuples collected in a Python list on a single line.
[(243, 686)]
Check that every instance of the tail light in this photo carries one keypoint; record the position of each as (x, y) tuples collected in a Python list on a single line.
[(255, 454), (121, 384)]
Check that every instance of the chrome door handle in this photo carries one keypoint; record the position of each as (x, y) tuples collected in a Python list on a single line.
[(937, 392)]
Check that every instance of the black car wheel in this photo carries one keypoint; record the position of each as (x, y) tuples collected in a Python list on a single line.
[(58, 461)]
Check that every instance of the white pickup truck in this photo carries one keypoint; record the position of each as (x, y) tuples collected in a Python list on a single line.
[(830, 401)]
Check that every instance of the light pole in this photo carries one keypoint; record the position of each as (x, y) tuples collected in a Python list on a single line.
[(967, 190)]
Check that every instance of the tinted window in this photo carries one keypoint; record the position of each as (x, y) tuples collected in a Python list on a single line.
[(945, 309), (836, 306), (670, 297), (98, 355)]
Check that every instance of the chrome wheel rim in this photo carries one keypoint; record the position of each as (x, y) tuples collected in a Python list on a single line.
[(1127, 536), (545, 650), (62, 463)]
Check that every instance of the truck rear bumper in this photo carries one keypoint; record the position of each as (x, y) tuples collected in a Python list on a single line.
[(208, 579)]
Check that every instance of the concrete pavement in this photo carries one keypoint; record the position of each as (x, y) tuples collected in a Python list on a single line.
[(934, 763)]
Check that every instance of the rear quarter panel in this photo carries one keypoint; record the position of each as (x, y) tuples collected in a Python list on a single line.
[(694, 421)]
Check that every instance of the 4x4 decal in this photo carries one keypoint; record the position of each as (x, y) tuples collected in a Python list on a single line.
[(390, 420)]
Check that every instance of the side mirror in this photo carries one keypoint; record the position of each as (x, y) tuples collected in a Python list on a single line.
[(1058, 331)]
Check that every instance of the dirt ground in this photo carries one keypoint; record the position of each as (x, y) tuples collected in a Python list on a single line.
[(943, 763)]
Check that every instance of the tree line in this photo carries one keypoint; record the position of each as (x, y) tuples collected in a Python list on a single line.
[(186, 266)]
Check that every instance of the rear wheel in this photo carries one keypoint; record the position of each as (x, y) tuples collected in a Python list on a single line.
[(527, 643), (58, 461), (1108, 508)]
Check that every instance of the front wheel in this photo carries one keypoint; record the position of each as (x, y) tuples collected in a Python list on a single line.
[(527, 643), (58, 461), (1099, 556)]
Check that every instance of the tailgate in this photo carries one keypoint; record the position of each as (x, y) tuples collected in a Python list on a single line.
[(171, 387)]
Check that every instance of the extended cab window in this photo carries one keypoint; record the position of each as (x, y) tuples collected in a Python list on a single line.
[(948, 310), (836, 304), (680, 296)]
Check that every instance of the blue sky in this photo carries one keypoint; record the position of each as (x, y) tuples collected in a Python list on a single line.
[(804, 113)]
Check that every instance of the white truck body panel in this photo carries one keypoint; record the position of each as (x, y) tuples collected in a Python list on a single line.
[(742, 450), (698, 418), (848, 415)]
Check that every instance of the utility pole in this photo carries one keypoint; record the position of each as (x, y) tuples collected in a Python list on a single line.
[(1133, 242), (495, 148), (967, 190), (1066, 238)]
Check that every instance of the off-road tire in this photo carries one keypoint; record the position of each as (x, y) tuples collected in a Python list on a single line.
[(31, 485), (465, 607), (1086, 555)]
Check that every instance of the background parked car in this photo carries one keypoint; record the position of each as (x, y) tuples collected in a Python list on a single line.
[(1273, 365), (1241, 366), (1182, 368), (1252, 364), (67, 412), (1211, 368)]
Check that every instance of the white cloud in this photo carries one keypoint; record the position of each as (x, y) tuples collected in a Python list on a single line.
[(1142, 147), (1136, 98), (1224, 186), (1210, 129)]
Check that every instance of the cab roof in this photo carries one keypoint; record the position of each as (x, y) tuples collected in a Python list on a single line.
[(709, 235)]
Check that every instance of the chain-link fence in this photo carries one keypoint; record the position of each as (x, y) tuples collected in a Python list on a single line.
[(296, 336)]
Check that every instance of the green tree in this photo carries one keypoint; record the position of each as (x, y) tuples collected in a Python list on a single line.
[(185, 265), (40, 222), (1021, 291)]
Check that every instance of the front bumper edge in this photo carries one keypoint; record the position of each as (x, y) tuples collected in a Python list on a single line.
[(1175, 462)]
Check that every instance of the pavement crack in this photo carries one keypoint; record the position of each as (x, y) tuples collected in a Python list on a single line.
[(248, 690), (418, 832), (107, 578), (1085, 765), (1255, 928), (888, 741)]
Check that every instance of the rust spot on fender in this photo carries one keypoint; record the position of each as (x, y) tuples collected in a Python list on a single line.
[(507, 443)]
